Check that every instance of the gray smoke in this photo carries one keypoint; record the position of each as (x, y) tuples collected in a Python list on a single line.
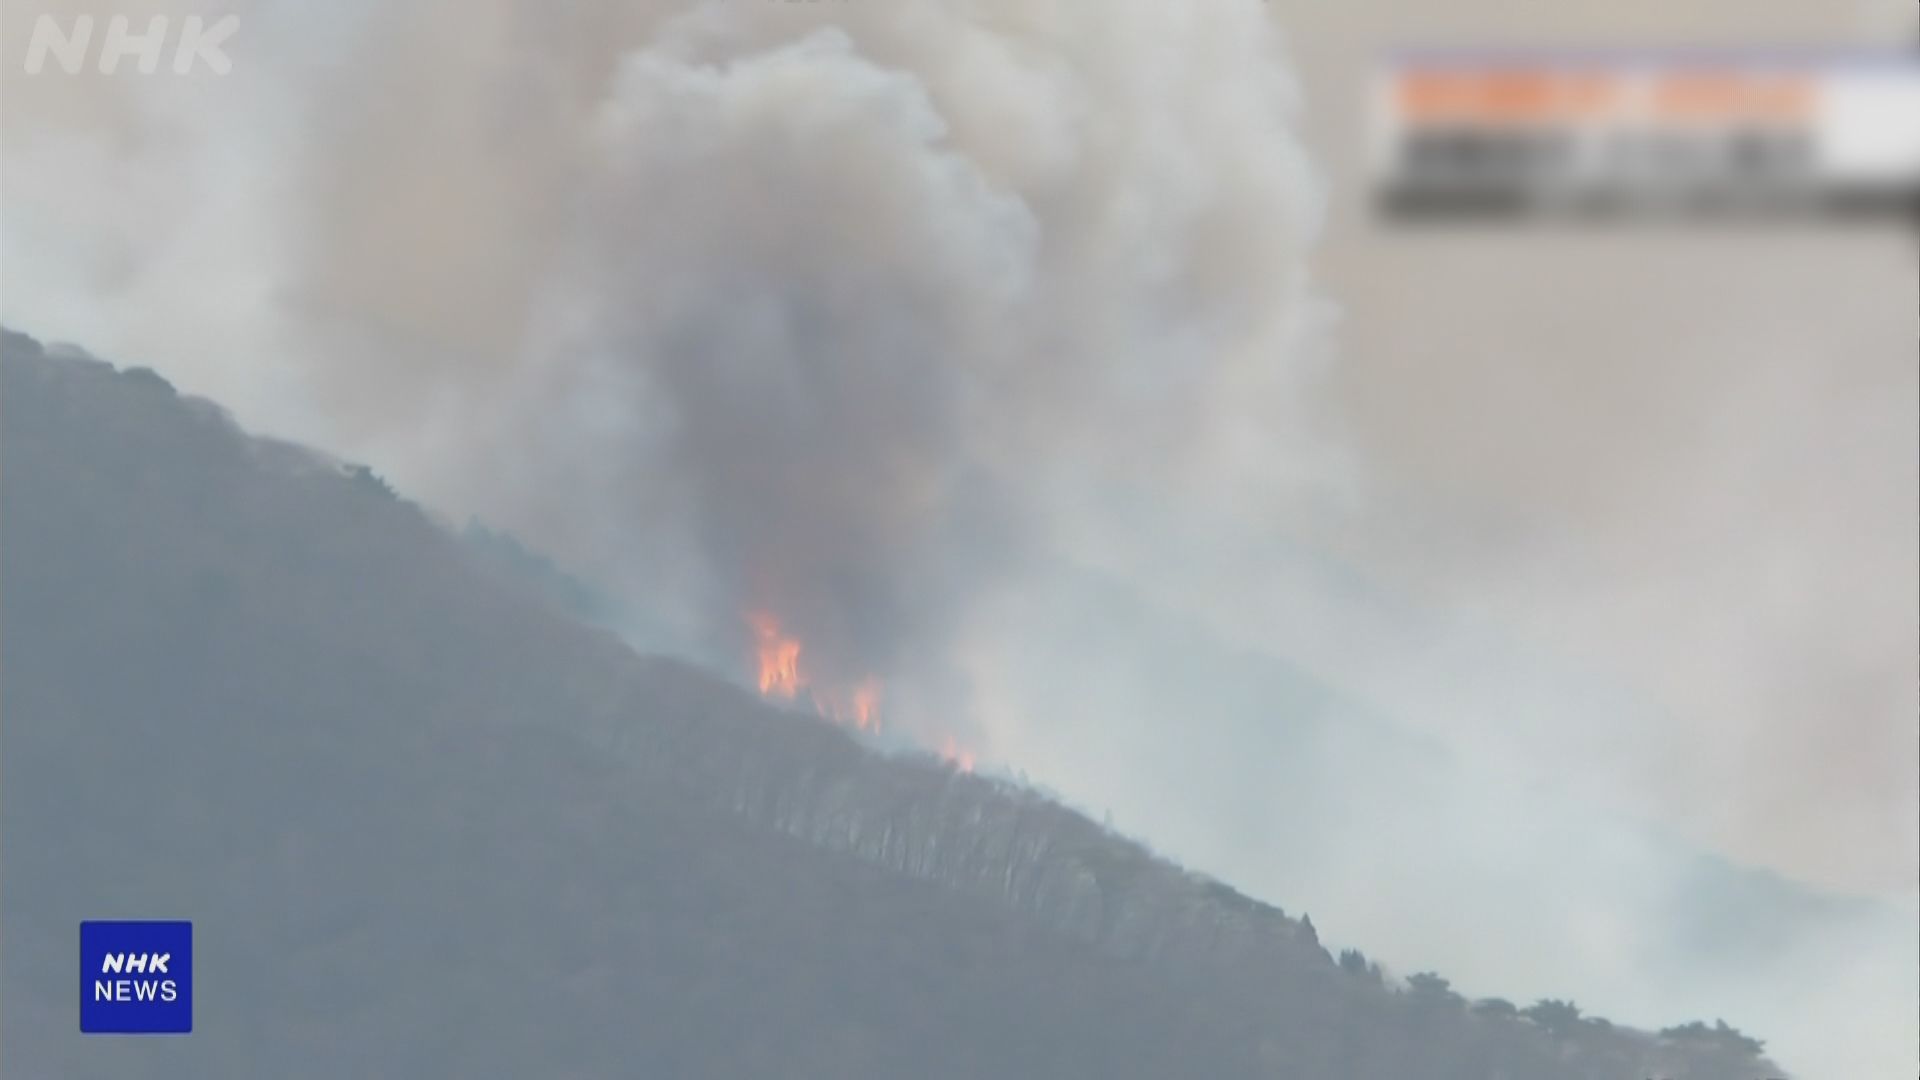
[(747, 306), (976, 341)]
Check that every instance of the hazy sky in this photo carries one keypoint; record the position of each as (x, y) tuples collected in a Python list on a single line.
[(956, 331), (1686, 457)]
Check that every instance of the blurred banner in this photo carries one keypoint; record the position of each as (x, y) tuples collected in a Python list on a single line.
[(1515, 134)]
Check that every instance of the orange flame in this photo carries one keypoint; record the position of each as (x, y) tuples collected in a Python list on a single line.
[(956, 755), (866, 704), (859, 707), (781, 675), (779, 657)]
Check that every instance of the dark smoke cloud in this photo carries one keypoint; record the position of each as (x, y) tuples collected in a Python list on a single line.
[(745, 308)]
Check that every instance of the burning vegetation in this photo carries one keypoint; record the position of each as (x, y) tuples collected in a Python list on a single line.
[(781, 674)]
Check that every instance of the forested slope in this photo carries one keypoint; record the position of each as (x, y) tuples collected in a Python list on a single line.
[(426, 825)]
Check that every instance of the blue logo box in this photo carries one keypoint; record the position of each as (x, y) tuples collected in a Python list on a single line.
[(136, 978)]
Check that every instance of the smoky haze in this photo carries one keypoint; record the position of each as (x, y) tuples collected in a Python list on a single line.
[(933, 327), (743, 311)]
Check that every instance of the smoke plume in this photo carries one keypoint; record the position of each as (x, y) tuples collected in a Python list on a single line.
[(747, 306), (977, 342)]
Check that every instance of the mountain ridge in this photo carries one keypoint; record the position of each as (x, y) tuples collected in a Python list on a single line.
[(300, 573)]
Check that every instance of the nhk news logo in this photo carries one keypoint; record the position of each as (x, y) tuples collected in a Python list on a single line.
[(194, 43), (136, 978)]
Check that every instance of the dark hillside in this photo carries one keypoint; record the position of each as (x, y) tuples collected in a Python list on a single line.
[(427, 826)]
